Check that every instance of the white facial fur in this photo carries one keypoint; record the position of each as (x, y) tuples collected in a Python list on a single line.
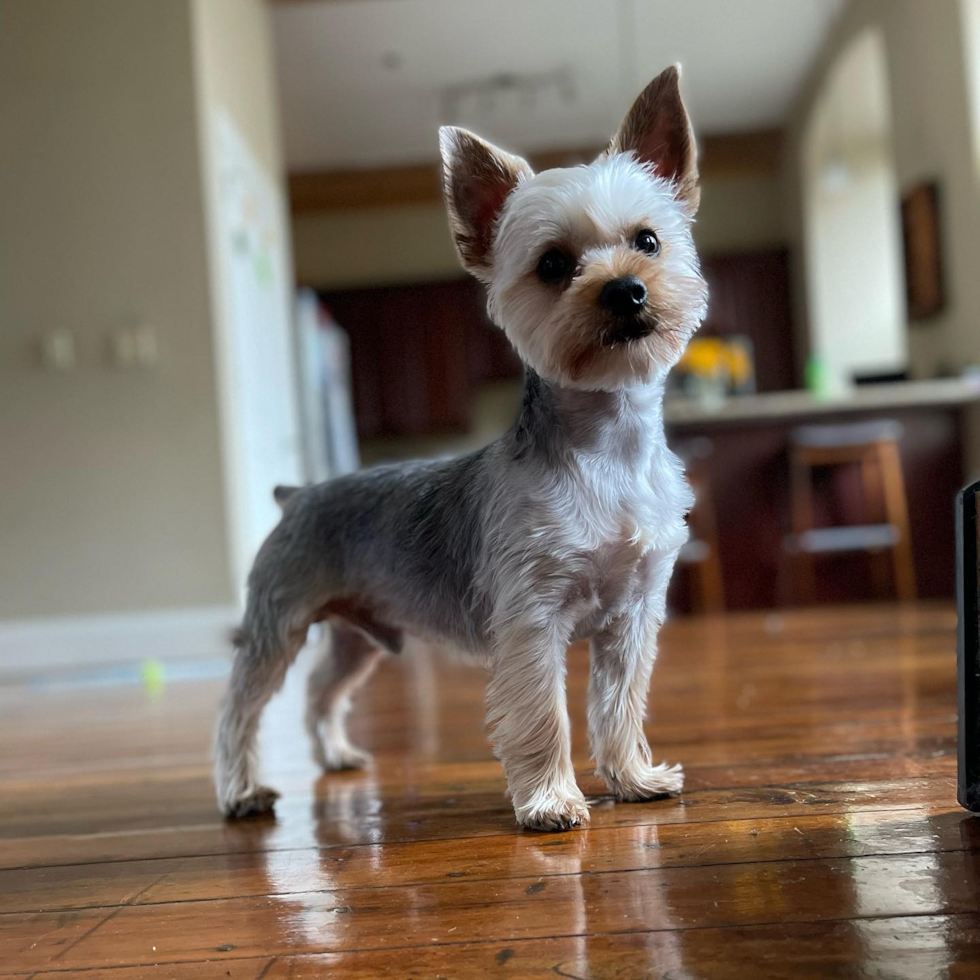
[(594, 212)]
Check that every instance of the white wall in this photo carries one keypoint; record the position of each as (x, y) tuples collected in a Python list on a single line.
[(852, 245), (857, 314)]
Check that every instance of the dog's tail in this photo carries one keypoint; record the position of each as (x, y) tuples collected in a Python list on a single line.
[(241, 636), (281, 494)]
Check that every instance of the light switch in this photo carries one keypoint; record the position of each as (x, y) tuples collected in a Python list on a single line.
[(123, 347), (134, 347), (58, 350), (145, 346)]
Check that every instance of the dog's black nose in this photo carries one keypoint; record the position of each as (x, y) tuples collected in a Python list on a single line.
[(623, 297)]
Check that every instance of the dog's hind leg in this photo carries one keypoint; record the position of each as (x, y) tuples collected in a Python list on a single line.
[(346, 663), (258, 672)]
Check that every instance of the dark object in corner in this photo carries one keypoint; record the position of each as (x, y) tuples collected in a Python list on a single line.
[(968, 647), (881, 379), (922, 238)]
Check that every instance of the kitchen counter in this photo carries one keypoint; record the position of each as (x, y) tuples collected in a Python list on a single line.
[(740, 451), (774, 406)]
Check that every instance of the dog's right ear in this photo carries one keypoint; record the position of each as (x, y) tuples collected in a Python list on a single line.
[(476, 179)]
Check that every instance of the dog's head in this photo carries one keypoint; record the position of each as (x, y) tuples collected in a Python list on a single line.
[(591, 270)]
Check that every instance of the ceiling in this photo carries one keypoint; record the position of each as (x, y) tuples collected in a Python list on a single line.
[(365, 83)]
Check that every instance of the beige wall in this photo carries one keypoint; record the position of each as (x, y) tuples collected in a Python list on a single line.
[(233, 44), (740, 214), (110, 497), (971, 49), (926, 47), (412, 243), (377, 245), (113, 488)]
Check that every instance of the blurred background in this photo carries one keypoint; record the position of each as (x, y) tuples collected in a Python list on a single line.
[(225, 264)]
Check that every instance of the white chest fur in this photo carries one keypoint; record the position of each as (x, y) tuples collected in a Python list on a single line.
[(621, 549), (619, 515), (593, 516)]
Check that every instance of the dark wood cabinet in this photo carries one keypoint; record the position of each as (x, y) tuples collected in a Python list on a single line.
[(749, 295), (417, 352)]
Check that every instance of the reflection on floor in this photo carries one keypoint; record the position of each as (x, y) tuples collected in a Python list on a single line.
[(818, 835)]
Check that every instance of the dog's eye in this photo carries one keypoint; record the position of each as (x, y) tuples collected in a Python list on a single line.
[(647, 241), (554, 265)]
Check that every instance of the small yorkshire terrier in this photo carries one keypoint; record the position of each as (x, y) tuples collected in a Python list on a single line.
[(566, 527)]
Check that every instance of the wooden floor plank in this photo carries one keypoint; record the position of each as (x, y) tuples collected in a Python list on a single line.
[(350, 815), (911, 948), (818, 835), (748, 841), (506, 910)]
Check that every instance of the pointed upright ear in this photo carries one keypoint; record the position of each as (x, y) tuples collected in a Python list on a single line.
[(476, 179), (658, 131)]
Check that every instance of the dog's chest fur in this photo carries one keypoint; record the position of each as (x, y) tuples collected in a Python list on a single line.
[(621, 543), (611, 510)]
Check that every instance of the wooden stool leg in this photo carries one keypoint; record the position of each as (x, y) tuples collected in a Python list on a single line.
[(871, 483), (711, 589), (897, 514), (801, 505)]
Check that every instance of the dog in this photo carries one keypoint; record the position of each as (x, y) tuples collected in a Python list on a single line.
[(567, 527)]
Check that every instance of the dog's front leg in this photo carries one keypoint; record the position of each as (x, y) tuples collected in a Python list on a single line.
[(622, 659), (528, 720)]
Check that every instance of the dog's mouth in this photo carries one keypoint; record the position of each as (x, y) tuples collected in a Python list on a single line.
[(633, 345), (625, 330)]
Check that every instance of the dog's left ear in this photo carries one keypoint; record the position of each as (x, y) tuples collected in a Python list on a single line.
[(658, 131), (476, 178)]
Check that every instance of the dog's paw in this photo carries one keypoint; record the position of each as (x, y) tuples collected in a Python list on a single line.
[(336, 758), (554, 813), (259, 799), (646, 783)]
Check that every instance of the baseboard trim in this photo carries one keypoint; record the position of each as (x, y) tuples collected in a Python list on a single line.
[(31, 645)]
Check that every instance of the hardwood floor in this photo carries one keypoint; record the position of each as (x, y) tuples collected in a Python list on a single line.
[(818, 835)]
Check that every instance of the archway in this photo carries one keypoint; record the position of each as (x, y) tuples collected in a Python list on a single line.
[(851, 212)]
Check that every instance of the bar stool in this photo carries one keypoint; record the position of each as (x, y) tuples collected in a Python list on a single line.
[(872, 446), (700, 553)]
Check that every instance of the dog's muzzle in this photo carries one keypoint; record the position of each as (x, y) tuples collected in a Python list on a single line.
[(625, 299)]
